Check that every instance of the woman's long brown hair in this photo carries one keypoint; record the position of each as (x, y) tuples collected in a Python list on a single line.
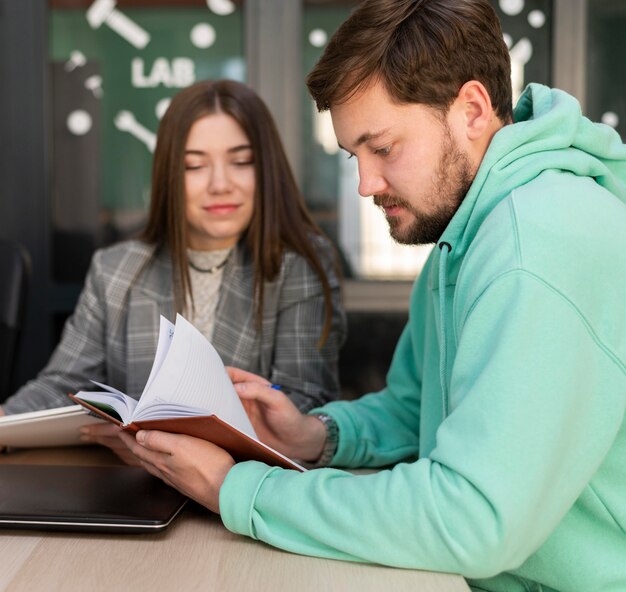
[(280, 219)]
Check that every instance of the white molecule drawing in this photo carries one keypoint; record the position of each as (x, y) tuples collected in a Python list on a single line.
[(536, 19), (104, 12), (318, 37), (507, 39), (221, 7), (511, 7), (94, 84), (125, 122), (161, 107), (79, 122), (522, 51), (520, 54), (77, 60), (610, 118), (203, 35), (234, 68)]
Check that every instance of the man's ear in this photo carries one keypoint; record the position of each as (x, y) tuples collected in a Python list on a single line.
[(473, 108)]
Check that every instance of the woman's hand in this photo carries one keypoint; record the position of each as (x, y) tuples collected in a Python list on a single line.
[(276, 420), (108, 434), (195, 467)]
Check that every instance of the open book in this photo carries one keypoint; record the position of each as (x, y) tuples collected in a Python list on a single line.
[(188, 392)]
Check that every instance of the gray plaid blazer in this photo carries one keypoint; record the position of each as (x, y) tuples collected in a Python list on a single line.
[(112, 335)]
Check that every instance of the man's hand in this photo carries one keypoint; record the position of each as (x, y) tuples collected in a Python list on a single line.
[(108, 434), (195, 467), (276, 420)]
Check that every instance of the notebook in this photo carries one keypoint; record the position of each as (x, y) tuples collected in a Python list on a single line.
[(116, 499), (44, 428)]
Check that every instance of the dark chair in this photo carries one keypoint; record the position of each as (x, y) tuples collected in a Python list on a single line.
[(366, 355), (15, 270)]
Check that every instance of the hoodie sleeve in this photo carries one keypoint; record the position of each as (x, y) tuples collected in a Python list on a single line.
[(381, 428), (510, 459)]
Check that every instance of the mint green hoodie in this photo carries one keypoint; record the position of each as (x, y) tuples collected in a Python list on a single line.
[(508, 383)]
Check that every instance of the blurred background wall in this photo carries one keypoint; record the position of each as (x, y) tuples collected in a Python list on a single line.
[(85, 83)]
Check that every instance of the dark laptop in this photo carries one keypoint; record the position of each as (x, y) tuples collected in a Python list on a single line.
[(98, 499)]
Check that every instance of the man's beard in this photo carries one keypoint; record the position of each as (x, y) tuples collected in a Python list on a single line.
[(451, 183)]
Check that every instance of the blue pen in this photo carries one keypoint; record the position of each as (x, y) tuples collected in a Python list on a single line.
[(277, 387)]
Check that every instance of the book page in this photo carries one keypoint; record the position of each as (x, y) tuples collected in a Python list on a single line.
[(166, 334), (109, 389), (193, 375), (122, 404)]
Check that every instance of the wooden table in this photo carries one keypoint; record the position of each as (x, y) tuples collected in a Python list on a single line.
[(195, 553)]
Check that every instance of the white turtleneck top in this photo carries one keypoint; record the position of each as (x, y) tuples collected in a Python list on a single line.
[(205, 287)]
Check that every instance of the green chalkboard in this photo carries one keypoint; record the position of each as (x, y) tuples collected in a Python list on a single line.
[(130, 82)]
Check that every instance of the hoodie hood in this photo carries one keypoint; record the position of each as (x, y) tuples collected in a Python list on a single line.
[(549, 133)]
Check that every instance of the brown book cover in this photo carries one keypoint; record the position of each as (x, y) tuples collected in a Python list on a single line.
[(207, 427)]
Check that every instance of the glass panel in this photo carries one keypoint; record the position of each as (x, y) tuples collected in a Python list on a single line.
[(113, 73), (527, 26), (322, 173), (330, 179), (606, 72)]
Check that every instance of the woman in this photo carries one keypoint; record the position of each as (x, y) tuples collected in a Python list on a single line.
[(229, 244)]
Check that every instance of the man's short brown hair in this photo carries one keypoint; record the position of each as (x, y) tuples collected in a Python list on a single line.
[(423, 51)]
